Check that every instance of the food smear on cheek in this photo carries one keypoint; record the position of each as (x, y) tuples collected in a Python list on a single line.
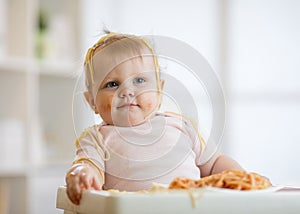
[(149, 105), (150, 102), (107, 103), (107, 106)]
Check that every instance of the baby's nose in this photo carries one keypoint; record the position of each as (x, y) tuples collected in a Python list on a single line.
[(127, 91)]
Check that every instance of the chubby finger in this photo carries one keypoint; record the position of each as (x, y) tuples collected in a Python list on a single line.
[(73, 196), (96, 184), (85, 179), (74, 189)]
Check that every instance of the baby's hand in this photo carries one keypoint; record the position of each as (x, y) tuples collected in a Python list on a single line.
[(81, 177)]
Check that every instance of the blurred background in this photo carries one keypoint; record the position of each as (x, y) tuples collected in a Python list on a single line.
[(252, 45)]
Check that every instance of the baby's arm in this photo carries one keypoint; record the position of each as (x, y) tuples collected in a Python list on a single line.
[(218, 163), (81, 176), (87, 170)]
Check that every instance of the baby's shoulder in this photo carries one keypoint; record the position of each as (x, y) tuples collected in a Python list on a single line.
[(92, 129), (90, 132)]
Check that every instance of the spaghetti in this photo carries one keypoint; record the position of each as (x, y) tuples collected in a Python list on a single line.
[(230, 179)]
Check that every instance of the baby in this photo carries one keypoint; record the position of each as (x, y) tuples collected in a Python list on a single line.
[(135, 145)]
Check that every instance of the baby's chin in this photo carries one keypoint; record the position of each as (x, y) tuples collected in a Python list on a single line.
[(125, 123), (128, 122)]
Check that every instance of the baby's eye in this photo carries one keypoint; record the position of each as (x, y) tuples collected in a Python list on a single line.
[(112, 84), (139, 80)]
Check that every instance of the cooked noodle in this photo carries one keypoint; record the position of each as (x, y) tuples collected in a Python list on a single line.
[(230, 179)]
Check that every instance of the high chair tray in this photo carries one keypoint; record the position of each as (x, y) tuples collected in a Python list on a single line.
[(204, 200)]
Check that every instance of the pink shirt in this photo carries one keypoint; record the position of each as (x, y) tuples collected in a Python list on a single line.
[(166, 146)]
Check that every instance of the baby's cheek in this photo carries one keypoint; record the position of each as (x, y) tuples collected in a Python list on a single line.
[(150, 103), (106, 103), (106, 107), (148, 106)]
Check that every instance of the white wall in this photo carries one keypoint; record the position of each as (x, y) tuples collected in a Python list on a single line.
[(263, 85), (253, 45), (194, 22)]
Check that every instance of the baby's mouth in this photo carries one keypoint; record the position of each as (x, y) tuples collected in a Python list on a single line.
[(128, 105)]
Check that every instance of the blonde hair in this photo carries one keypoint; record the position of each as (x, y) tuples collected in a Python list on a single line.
[(126, 44)]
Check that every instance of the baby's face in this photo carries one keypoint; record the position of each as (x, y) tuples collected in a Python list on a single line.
[(129, 93)]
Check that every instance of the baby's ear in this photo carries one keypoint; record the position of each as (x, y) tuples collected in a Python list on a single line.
[(89, 98)]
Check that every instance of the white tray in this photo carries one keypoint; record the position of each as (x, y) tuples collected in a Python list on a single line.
[(205, 200)]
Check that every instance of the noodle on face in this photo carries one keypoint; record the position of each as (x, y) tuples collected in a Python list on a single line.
[(230, 179)]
